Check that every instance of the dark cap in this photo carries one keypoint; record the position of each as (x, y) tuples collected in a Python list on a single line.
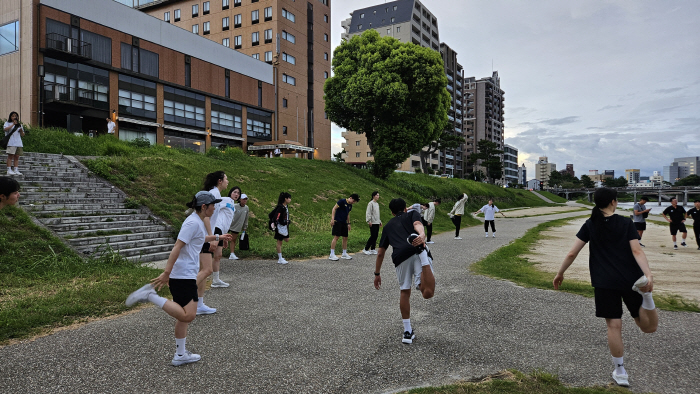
[(206, 198)]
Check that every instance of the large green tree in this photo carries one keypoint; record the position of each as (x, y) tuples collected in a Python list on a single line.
[(393, 92), (445, 140), (488, 156), (690, 180), (587, 182)]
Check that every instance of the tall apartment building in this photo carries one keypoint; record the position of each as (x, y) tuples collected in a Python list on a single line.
[(568, 170), (632, 176), (681, 168), (522, 175), (510, 165), (292, 36), (485, 110), (543, 169)]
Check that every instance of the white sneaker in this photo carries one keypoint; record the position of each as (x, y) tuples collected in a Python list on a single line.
[(374, 251), (458, 237), (621, 380), (10, 172), (205, 310), (333, 257), (494, 235), (487, 235), (641, 282), (282, 261), (233, 257), (140, 295), (430, 242), (367, 252), (186, 358), (219, 283), (18, 173), (346, 256)]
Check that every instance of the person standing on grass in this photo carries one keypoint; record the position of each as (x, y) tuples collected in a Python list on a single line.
[(457, 212), (639, 218), (490, 211), (412, 260), (619, 273), (428, 218), (14, 145), (111, 126), (340, 222), (676, 218), (374, 221), (694, 213), (226, 213), (239, 224), (280, 223), (9, 191), (181, 275)]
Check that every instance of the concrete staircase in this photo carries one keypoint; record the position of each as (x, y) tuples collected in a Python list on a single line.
[(85, 211)]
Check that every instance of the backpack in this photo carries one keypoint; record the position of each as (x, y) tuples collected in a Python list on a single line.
[(272, 217)]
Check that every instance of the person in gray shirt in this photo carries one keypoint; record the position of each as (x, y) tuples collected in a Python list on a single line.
[(639, 217)]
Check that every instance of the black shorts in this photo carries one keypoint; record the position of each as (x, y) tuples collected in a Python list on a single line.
[(608, 302), (184, 291), (205, 249), (233, 232), (640, 226), (676, 227), (218, 231), (340, 229)]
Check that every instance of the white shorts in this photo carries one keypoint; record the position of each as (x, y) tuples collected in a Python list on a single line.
[(14, 150), (406, 271)]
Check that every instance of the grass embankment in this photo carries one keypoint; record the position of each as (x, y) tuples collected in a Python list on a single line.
[(554, 197), (510, 262)]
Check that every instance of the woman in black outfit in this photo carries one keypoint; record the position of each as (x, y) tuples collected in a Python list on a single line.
[(280, 223)]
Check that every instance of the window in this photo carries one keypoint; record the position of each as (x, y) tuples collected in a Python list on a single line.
[(166, 17), (139, 60), (325, 37), (393, 19), (398, 29), (137, 97), (183, 107), (100, 46), (268, 14), (288, 37), (325, 55), (357, 154), (224, 4), (236, 3), (325, 2), (268, 56), (388, 31), (288, 15), (395, 7), (188, 71), (325, 18), (359, 27), (205, 8), (288, 79), (205, 27), (268, 36), (259, 124), (289, 58), (255, 38), (362, 16), (226, 117), (176, 14), (237, 20), (325, 75), (237, 42), (255, 16), (284, 103), (284, 130), (195, 10), (357, 143), (225, 24), (226, 42), (227, 85), (195, 29), (255, 56), (369, 154)]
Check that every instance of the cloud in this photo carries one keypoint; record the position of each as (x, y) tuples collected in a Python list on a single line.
[(669, 90), (610, 107), (560, 121)]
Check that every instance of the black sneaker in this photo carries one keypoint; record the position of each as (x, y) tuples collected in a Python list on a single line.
[(408, 337), (675, 247), (684, 245), (642, 245)]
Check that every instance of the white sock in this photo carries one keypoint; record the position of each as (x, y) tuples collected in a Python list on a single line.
[(345, 251), (215, 276), (648, 301), (407, 325), (674, 243), (619, 366), (9, 168), (180, 346), (424, 259), (200, 302), (156, 299), (279, 256), (332, 252)]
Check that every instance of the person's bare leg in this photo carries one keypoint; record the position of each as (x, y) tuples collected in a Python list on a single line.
[(345, 243), (648, 320), (617, 349), (685, 235), (673, 237), (405, 304), (204, 272), (334, 242), (640, 232), (9, 160), (427, 283), (279, 246), (183, 315), (216, 263), (232, 244), (16, 160)]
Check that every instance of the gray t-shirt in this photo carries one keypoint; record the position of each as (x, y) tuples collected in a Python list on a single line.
[(639, 218)]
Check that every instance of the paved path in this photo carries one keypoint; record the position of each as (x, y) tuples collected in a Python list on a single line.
[(320, 327)]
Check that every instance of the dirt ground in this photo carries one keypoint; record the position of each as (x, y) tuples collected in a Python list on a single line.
[(675, 271), (518, 213)]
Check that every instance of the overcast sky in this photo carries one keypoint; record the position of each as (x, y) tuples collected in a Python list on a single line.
[(600, 84)]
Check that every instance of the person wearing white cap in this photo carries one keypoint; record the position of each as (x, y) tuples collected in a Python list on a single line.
[(239, 224), (181, 274)]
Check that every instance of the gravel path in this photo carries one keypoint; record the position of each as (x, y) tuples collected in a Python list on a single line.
[(318, 326)]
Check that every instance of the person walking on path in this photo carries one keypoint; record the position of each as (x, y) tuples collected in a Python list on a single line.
[(181, 275), (14, 145), (340, 222), (676, 218), (457, 212), (9, 191), (239, 223), (374, 221), (280, 223), (223, 222), (619, 273), (489, 211), (694, 213), (413, 263), (639, 218), (428, 218)]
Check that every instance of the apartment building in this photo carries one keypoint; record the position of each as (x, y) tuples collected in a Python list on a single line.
[(568, 170), (75, 63), (543, 169), (292, 36), (510, 165), (522, 175), (681, 167), (485, 111), (632, 176)]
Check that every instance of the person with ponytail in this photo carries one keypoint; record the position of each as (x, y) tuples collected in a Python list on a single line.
[(280, 223), (181, 274), (619, 273)]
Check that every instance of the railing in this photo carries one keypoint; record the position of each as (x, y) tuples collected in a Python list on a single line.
[(54, 92), (73, 46)]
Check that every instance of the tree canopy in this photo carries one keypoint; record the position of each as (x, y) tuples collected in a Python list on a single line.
[(490, 156), (690, 180), (395, 93)]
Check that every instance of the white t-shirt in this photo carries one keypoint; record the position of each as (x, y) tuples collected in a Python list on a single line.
[(192, 233), (213, 220), (489, 212), (16, 139), (110, 127), (226, 213)]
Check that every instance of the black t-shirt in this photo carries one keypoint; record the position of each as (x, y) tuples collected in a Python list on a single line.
[(396, 234), (695, 214), (677, 214), (611, 261), (343, 210)]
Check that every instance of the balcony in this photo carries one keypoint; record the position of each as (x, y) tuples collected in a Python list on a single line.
[(450, 88), (64, 94), (449, 77), (67, 48)]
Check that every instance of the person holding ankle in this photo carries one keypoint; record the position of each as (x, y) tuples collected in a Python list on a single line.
[(619, 273)]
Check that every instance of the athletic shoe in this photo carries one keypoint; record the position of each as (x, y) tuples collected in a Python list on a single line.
[(683, 244), (10, 172), (364, 251), (18, 173), (698, 248), (408, 337), (219, 283), (281, 260), (346, 256), (205, 310), (487, 235), (675, 247), (430, 242), (186, 358), (494, 235), (333, 257), (374, 251), (233, 257), (621, 380), (642, 245), (458, 237), (140, 295), (641, 282)]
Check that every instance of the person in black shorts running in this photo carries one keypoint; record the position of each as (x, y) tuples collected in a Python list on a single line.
[(340, 222), (676, 216), (639, 218), (619, 273), (694, 213)]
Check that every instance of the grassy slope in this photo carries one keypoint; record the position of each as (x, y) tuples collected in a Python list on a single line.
[(552, 196)]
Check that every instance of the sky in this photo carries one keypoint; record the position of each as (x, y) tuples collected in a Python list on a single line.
[(606, 85)]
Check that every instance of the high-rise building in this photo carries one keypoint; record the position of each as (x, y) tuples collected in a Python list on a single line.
[(522, 175), (632, 176), (568, 170), (485, 110), (609, 173), (543, 169), (510, 165), (292, 36)]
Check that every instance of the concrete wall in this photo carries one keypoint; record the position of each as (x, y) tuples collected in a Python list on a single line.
[(17, 73)]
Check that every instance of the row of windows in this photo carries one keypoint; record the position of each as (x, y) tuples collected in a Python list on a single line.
[(386, 9), (9, 38), (357, 154), (255, 15)]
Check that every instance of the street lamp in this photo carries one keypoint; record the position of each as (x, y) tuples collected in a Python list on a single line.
[(41, 72)]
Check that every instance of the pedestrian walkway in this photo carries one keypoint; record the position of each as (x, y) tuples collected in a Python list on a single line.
[(318, 326)]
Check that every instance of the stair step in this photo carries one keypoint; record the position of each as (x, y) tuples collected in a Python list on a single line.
[(93, 219), (96, 226), (57, 214), (92, 248), (59, 184), (87, 233), (136, 251), (27, 190), (150, 257), (50, 200), (118, 238), (41, 196)]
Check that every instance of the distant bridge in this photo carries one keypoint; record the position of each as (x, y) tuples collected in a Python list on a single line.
[(664, 193)]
